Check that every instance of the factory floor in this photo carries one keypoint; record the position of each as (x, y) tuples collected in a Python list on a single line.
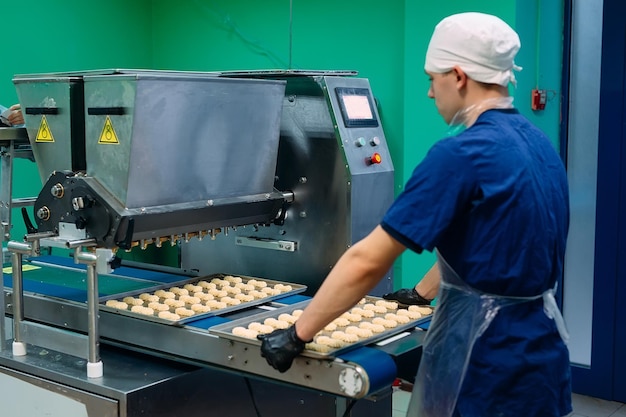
[(583, 406)]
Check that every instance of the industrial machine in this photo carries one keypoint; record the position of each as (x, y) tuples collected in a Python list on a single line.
[(261, 178)]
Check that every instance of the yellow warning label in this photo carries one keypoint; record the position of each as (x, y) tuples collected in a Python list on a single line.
[(44, 134), (108, 135), (9, 270)]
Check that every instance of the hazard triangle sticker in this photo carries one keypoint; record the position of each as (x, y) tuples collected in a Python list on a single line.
[(108, 135), (44, 134)]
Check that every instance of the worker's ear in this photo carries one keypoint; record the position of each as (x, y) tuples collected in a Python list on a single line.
[(461, 77)]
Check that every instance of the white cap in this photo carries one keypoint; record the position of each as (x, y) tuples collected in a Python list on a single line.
[(482, 45)]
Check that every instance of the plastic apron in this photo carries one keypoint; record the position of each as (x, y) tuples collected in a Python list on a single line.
[(462, 315)]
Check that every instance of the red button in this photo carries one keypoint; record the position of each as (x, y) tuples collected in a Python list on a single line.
[(375, 158)]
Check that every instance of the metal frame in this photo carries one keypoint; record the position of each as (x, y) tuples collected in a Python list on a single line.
[(38, 334)]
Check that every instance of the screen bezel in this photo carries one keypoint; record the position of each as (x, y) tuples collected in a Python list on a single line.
[(350, 91)]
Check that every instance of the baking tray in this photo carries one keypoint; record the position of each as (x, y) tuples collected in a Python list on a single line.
[(225, 330), (295, 289)]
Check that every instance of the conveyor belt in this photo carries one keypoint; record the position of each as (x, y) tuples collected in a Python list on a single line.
[(192, 341)]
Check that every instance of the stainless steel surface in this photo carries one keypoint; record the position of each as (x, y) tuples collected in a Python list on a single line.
[(18, 307), (62, 340), (138, 385), (338, 198), (13, 134), (181, 139), (50, 106), (90, 260)]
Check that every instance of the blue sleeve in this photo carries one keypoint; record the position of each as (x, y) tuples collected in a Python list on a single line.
[(441, 187)]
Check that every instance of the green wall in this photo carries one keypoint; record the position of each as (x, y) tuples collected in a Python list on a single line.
[(68, 35), (384, 41)]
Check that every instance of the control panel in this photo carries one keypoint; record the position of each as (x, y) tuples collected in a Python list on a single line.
[(358, 125)]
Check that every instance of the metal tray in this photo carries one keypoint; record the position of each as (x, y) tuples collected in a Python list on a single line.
[(225, 330), (296, 288)]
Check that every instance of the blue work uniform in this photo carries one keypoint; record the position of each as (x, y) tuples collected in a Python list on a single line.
[(493, 201)]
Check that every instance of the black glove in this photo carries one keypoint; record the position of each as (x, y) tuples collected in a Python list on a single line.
[(408, 297), (280, 347)]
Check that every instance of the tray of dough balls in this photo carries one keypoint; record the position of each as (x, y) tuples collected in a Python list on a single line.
[(371, 320), (198, 297)]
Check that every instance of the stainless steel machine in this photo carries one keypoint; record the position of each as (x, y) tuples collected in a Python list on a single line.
[(265, 176)]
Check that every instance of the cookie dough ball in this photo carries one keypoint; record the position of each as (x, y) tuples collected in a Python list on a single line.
[(216, 305), (360, 333), (232, 290), (179, 291), (230, 301), (258, 283), (131, 301), (200, 308), (148, 298), (297, 312), (164, 294), (423, 310), (413, 315), (330, 327), (146, 311), (243, 332), (353, 317), (288, 318), (192, 300), (158, 307), (283, 288), (316, 347), (202, 296), (341, 322), (232, 279), (245, 287), (192, 288), (397, 318), (218, 293), (207, 285), (168, 316), (120, 305), (344, 337), (258, 294), (329, 341), (363, 313), (184, 312), (277, 324), (389, 324), (376, 328), (219, 282), (262, 328), (244, 298), (174, 304), (270, 291), (389, 305)]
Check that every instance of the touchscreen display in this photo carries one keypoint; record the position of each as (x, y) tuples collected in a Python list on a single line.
[(356, 107)]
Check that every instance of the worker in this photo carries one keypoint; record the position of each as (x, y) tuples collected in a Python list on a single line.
[(491, 199), (12, 116)]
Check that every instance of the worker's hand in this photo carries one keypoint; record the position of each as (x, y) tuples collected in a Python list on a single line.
[(15, 116), (280, 347), (408, 297)]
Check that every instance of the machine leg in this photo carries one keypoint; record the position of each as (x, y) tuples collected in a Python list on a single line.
[(94, 365), (19, 347)]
